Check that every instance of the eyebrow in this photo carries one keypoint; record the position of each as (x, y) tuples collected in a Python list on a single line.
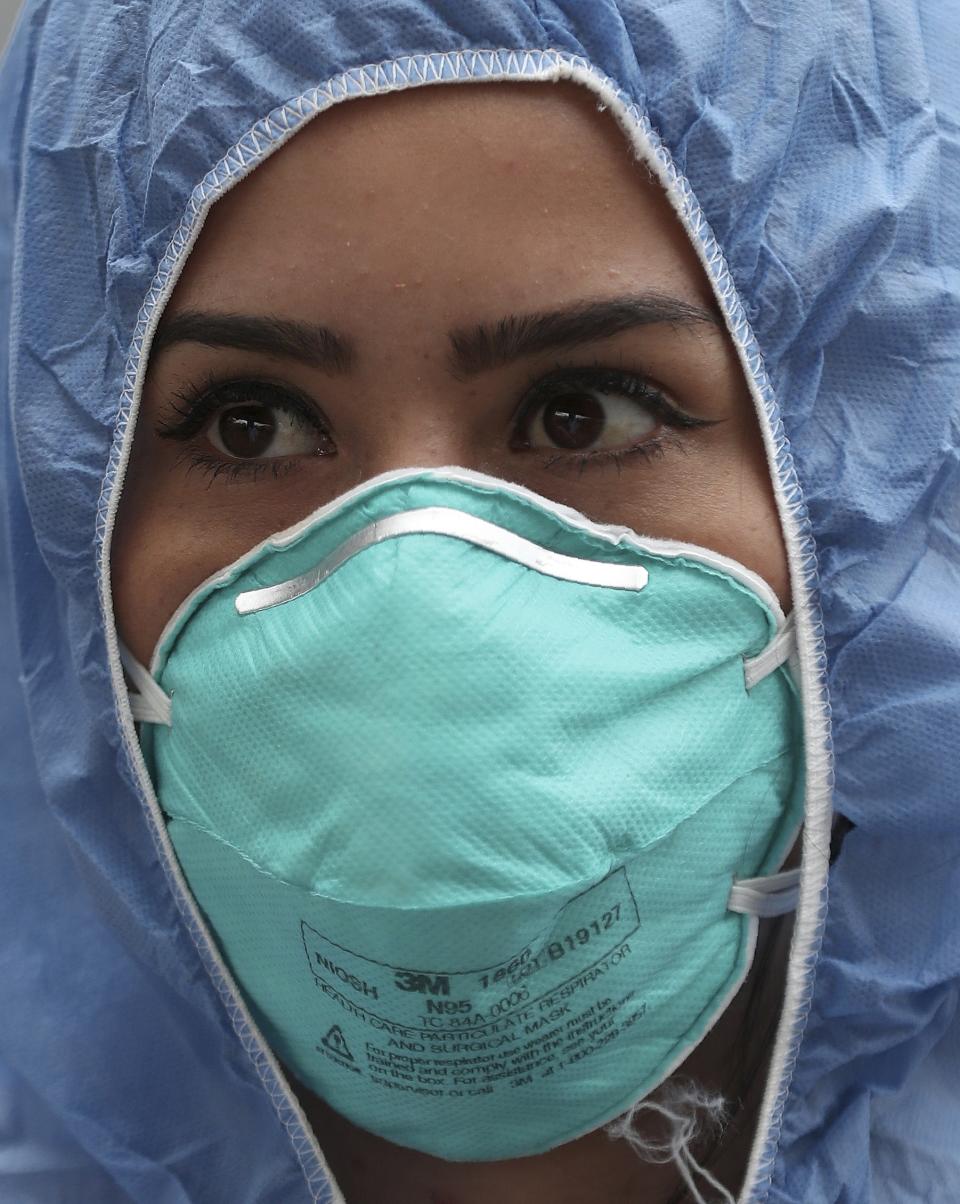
[(473, 349), (480, 348), (315, 345)]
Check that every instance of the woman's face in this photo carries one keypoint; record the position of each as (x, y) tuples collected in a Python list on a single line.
[(473, 275)]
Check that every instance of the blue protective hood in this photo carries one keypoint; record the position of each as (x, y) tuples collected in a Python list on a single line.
[(813, 153)]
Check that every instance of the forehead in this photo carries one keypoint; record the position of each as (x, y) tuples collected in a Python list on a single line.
[(442, 196)]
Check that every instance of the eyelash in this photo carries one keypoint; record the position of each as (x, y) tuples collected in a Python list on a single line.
[(542, 389), (197, 403), (200, 402)]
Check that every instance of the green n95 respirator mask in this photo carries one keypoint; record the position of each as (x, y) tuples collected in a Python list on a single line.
[(481, 801)]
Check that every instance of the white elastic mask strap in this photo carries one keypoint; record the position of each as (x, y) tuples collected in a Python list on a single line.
[(150, 705), (774, 895), (777, 652)]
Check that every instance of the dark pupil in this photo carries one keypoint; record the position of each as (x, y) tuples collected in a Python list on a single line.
[(574, 422), (247, 431)]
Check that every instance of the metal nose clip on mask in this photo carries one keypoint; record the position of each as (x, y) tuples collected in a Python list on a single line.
[(481, 801)]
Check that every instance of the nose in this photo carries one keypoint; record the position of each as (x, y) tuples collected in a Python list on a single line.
[(423, 432)]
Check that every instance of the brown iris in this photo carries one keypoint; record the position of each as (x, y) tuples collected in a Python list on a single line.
[(574, 422), (247, 431)]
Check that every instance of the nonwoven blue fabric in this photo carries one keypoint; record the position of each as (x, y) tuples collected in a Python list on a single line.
[(822, 142)]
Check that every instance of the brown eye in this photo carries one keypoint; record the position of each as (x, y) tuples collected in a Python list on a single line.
[(253, 430), (247, 431), (574, 422), (591, 419)]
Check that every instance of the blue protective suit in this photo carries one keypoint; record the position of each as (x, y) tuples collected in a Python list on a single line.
[(813, 152)]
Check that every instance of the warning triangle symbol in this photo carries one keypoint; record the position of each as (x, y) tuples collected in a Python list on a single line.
[(336, 1042)]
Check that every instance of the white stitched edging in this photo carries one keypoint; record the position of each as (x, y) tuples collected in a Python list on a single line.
[(262, 140)]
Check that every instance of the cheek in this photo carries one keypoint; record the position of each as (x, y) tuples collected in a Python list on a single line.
[(723, 499), (761, 546), (714, 492), (745, 524), (171, 534), (153, 569), (164, 545)]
